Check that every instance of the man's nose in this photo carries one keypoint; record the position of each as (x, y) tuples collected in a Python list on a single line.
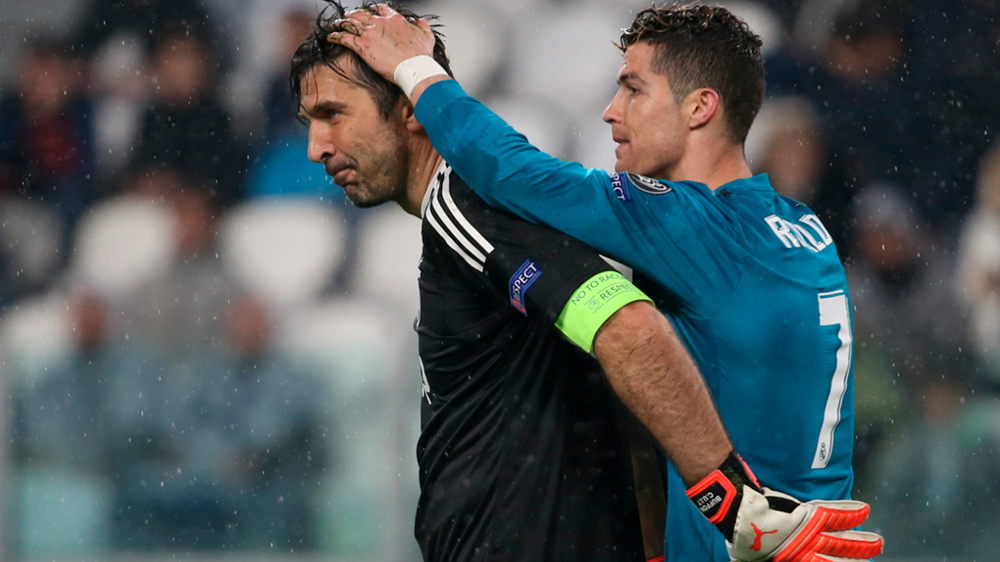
[(320, 145), (612, 114)]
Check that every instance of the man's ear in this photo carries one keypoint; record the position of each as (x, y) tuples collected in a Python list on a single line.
[(408, 116), (702, 104)]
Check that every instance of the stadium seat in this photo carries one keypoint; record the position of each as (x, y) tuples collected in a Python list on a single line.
[(474, 41), (122, 243), (538, 119), (30, 234), (763, 21), (567, 56), (595, 148), (388, 256), (285, 250), (34, 335)]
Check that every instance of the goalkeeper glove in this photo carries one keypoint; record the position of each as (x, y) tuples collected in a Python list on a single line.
[(761, 524)]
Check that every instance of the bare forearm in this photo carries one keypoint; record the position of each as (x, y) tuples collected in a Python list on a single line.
[(653, 374)]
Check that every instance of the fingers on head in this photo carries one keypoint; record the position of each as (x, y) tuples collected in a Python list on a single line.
[(361, 15), (385, 11)]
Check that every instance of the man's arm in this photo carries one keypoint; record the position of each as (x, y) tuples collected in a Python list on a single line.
[(650, 370), (497, 161)]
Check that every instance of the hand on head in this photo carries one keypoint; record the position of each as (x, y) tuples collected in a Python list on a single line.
[(383, 39)]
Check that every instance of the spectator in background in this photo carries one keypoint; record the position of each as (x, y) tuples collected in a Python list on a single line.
[(181, 310), (46, 133), (66, 410), (860, 90), (866, 122), (909, 332), (795, 158), (65, 434), (793, 150), (186, 126), (146, 18), (952, 82), (979, 269), (900, 291), (938, 468), (224, 448), (265, 428), (296, 24), (277, 170)]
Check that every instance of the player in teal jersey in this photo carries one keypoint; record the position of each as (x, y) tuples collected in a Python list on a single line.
[(750, 279)]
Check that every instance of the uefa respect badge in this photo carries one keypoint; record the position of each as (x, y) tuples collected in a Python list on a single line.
[(520, 282)]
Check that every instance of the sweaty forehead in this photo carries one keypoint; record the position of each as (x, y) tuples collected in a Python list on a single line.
[(322, 83)]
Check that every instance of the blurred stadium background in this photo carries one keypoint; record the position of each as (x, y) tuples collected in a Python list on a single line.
[(206, 354)]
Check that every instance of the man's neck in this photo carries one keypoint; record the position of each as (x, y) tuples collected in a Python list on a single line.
[(424, 161), (713, 166)]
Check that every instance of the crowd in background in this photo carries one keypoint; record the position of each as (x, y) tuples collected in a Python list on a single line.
[(205, 347)]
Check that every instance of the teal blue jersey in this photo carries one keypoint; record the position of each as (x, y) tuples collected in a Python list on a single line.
[(750, 279)]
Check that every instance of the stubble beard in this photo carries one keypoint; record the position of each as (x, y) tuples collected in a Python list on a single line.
[(383, 178)]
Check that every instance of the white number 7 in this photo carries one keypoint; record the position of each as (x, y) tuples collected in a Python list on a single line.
[(833, 311)]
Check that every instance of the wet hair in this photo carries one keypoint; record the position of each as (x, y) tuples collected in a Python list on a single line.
[(316, 50), (705, 47)]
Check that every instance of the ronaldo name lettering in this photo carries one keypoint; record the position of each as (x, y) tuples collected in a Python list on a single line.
[(796, 236)]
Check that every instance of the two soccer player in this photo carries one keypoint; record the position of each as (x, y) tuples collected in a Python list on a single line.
[(749, 278)]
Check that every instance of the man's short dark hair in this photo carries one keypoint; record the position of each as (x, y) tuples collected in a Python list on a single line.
[(316, 50), (705, 47)]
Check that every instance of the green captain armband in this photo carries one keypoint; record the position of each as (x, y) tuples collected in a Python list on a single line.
[(593, 303)]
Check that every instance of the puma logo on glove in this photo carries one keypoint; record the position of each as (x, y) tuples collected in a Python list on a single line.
[(760, 524)]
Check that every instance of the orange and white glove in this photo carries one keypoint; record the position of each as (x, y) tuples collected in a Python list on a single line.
[(760, 524)]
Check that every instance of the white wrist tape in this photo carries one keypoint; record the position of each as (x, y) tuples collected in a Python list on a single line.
[(412, 71)]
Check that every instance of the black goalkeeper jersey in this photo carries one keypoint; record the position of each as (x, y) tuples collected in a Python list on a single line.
[(522, 455)]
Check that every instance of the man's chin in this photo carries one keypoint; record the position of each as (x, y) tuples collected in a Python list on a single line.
[(361, 199)]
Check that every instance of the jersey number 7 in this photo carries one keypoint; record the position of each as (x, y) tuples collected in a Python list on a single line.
[(833, 311)]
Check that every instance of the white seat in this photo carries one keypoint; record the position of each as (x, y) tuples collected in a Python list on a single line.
[(595, 147), (121, 244), (762, 21), (285, 250), (31, 236), (568, 56), (34, 335), (388, 257), (473, 42), (541, 122)]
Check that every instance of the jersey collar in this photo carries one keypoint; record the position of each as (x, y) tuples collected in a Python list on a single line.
[(759, 182), (442, 171)]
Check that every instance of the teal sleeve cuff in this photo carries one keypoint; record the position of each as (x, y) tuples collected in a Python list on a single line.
[(435, 98)]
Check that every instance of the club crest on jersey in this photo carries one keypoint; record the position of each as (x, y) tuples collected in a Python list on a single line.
[(519, 283), (648, 185), (620, 186)]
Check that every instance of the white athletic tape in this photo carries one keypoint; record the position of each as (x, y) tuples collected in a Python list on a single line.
[(412, 71)]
